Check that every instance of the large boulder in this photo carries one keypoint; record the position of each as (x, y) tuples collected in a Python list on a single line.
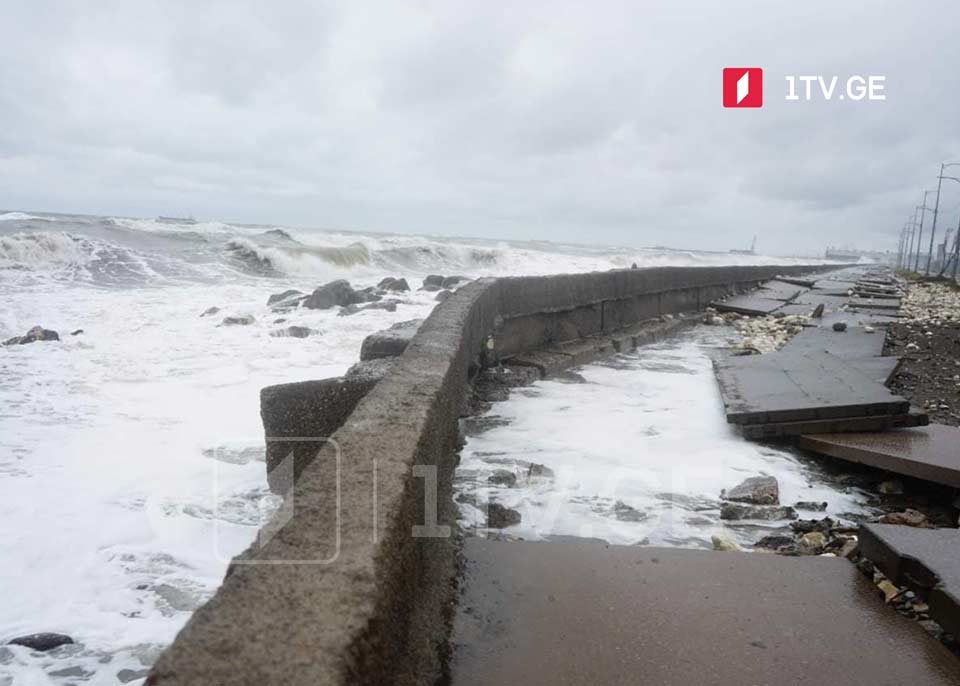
[(758, 490), (37, 333), (290, 296), (389, 342), (500, 517), (41, 642), (451, 281), (434, 281), (393, 284), (740, 511), (337, 293)]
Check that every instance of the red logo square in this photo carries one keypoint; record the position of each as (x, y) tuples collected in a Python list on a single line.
[(743, 87)]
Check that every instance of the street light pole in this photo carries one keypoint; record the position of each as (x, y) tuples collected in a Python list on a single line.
[(936, 208), (923, 209)]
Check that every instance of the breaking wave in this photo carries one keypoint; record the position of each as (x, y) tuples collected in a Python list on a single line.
[(277, 260), (22, 216)]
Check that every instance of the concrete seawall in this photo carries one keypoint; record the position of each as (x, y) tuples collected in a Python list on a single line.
[(352, 581)]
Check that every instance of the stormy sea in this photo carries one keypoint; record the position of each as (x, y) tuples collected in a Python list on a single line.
[(131, 450)]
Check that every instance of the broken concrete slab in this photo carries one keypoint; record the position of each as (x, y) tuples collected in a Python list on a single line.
[(537, 613), (925, 560), (931, 453), (779, 290), (875, 303), (793, 386), (752, 305), (806, 282), (836, 425)]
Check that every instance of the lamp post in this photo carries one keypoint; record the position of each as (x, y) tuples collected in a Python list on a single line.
[(936, 207), (911, 228), (921, 209)]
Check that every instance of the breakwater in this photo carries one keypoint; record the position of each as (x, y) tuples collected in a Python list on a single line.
[(352, 581)]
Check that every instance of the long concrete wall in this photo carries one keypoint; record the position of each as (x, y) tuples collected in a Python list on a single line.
[(352, 581)]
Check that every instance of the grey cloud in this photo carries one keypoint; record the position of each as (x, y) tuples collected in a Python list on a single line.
[(542, 120)]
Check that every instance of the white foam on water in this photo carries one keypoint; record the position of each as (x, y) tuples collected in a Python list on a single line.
[(639, 452), (132, 457)]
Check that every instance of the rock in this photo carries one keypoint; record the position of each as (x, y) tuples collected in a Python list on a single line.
[(210, 311), (291, 294), (336, 293), (811, 506), (76, 332), (37, 333), (279, 320), (370, 371), (503, 477), (804, 526), (839, 326), (443, 295), (627, 513), (536, 470), (388, 305), (889, 590), (389, 342), (759, 490), (907, 518), (293, 332), (242, 320), (451, 281), (724, 543), (813, 542), (849, 548), (739, 511), (777, 542), (433, 280), (125, 676), (817, 311), (500, 517), (430, 288), (892, 487), (393, 284), (42, 642)]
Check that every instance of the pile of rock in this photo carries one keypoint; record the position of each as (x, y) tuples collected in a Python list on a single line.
[(931, 302), (755, 498), (762, 334)]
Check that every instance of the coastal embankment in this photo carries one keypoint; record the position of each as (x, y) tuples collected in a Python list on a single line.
[(352, 581)]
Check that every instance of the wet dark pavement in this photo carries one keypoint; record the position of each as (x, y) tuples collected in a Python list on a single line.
[(588, 613)]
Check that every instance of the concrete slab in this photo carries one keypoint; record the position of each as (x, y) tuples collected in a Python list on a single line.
[(585, 613), (931, 452), (793, 386), (806, 282), (926, 560), (779, 290), (874, 423), (854, 342), (752, 305), (875, 303)]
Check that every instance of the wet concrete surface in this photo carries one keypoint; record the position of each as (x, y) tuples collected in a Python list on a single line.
[(788, 386), (926, 560), (931, 452), (588, 613)]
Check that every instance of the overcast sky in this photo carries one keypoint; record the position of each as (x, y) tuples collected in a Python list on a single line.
[(591, 121)]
